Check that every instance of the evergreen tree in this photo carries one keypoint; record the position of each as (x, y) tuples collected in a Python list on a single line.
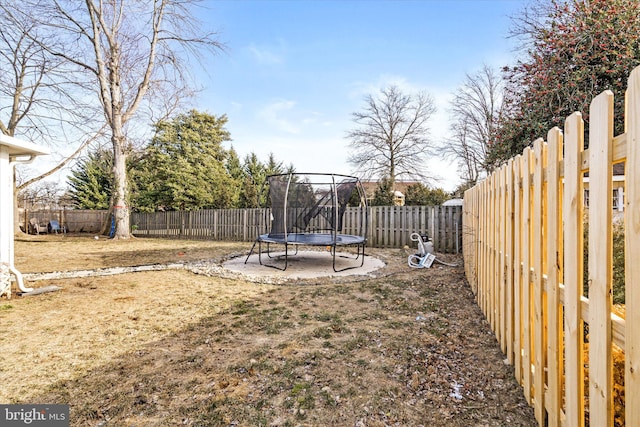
[(254, 182), (255, 189), (419, 194), (184, 167), (383, 196), (273, 167), (91, 181), (237, 175), (233, 165)]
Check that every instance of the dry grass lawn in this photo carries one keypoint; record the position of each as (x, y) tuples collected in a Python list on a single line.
[(405, 348)]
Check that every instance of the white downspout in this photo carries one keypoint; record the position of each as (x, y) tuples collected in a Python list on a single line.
[(19, 279), (12, 268)]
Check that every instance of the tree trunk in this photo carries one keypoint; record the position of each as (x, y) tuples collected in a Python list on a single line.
[(392, 173), (120, 187)]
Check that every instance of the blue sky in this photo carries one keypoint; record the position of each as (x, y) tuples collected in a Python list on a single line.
[(294, 71)]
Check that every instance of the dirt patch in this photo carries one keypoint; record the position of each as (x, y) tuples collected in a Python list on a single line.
[(302, 265), (407, 347)]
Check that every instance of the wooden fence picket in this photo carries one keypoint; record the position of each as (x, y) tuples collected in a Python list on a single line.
[(516, 264), (600, 260), (554, 273), (389, 226), (502, 327), (525, 304), (537, 321), (509, 273), (573, 215), (632, 249)]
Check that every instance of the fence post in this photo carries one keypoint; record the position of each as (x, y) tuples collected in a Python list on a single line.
[(245, 225)]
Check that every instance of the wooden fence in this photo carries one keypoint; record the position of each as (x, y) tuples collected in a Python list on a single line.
[(75, 220), (388, 226), (523, 250)]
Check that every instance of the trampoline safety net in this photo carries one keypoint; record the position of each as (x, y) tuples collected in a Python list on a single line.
[(308, 209), (300, 204)]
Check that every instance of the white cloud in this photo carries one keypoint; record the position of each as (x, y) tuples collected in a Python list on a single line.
[(265, 56), (276, 115), (310, 153), (286, 116), (360, 89)]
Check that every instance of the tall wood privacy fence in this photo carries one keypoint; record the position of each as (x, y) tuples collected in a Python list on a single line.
[(523, 250), (389, 226), (75, 220)]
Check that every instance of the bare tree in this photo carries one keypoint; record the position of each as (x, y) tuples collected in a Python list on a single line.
[(130, 54), (36, 93), (476, 110), (391, 139), (43, 195)]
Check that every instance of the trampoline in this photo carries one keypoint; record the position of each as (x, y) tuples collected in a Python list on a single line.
[(307, 209)]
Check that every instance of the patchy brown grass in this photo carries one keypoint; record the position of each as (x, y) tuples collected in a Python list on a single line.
[(407, 348), (55, 252)]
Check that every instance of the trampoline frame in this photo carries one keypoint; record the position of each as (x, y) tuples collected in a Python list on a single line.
[(331, 239)]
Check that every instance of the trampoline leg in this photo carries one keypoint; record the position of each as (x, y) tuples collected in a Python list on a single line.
[(259, 242), (268, 250), (358, 255), (269, 255), (333, 252), (334, 262), (251, 251), (286, 256)]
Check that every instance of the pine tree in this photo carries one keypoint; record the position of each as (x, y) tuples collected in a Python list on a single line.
[(91, 181), (419, 194), (184, 167), (383, 195)]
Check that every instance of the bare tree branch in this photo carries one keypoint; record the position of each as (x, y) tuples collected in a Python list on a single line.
[(130, 52), (38, 95), (65, 161), (391, 139), (476, 110)]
